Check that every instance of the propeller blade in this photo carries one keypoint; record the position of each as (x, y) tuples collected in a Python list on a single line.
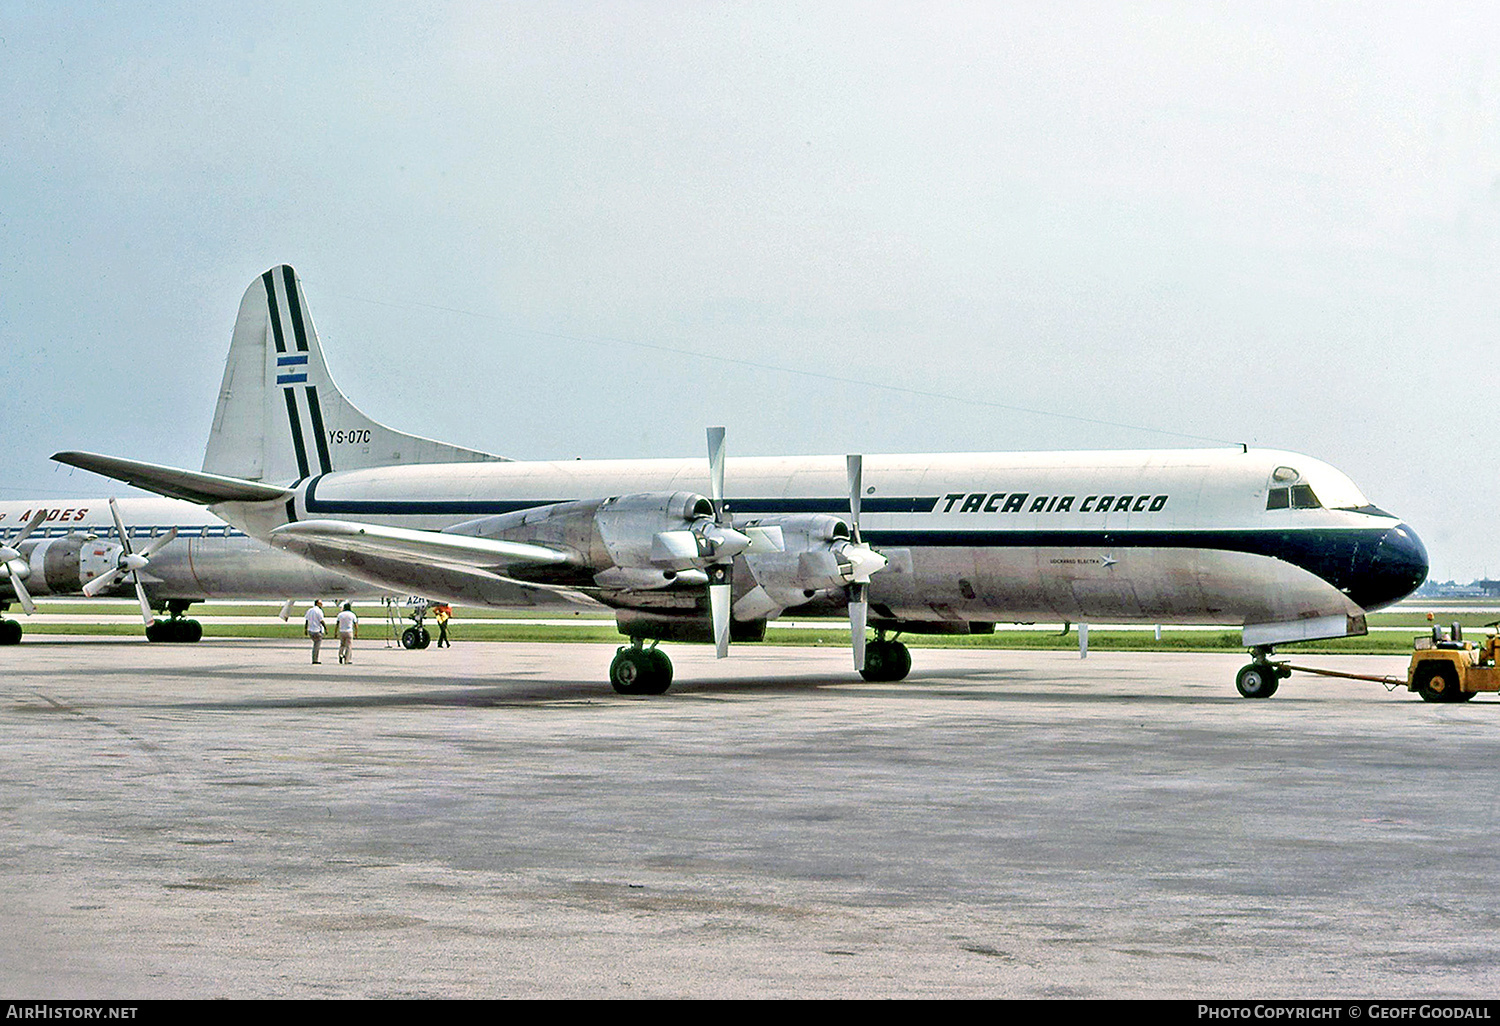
[(716, 470), (114, 511), (159, 544), (140, 593), (22, 595), (765, 539), (103, 581), (859, 617), (31, 525), (718, 604), (286, 609), (855, 465)]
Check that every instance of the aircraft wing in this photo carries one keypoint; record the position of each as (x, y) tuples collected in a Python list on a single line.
[(427, 548), (192, 485)]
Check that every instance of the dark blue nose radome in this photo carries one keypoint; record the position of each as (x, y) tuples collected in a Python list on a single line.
[(1392, 570)]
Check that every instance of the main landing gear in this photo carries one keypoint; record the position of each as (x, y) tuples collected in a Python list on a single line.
[(176, 628), (10, 632), (885, 661), (641, 670), (1262, 677), (638, 670)]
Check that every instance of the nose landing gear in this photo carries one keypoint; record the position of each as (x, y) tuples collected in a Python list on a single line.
[(1262, 677)]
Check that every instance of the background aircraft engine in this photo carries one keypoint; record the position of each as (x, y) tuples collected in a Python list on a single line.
[(53, 565)]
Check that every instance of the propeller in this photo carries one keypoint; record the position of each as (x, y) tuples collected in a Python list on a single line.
[(129, 562), (863, 562), (16, 568), (712, 543)]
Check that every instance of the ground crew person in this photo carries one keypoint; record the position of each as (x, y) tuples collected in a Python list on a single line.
[(443, 613), (315, 627), (348, 628)]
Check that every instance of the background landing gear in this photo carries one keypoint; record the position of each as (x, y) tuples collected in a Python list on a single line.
[(638, 670), (176, 628), (10, 632)]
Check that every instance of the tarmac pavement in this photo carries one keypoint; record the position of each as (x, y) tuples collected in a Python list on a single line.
[(226, 820)]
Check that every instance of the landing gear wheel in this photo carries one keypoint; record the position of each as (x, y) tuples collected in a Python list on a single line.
[(640, 671), (886, 662), (1258, 680), (10, 632), (661, 671), (423, 638), (1436, 682), (185, 631), (411, 638)]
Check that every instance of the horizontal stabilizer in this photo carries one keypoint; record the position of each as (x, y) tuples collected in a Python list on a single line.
[(431, 548), (192, 485)]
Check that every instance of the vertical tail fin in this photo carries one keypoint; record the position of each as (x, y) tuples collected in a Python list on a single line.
[(280, 417)]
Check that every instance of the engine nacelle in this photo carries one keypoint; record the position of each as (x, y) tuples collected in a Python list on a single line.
[(61, 566), (815, 561), (611, 539)]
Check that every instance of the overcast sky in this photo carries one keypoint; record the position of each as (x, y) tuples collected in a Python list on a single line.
[(568, 229)]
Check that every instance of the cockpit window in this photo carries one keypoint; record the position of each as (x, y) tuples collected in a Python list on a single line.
[(1296, 497)]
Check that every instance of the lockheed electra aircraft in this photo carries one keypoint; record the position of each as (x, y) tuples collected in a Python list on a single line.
[(1280, 545), (166, 552)]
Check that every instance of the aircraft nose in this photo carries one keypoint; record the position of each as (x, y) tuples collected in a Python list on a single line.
[(1396, 568)]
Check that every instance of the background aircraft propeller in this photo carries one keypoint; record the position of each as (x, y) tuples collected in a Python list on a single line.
[(16, 568), (129, 563)]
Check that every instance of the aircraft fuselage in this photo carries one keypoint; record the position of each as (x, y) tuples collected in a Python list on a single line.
[(1165, 536)]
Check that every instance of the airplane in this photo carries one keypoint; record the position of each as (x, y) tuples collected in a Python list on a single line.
[(1280, 545), (174, 553)]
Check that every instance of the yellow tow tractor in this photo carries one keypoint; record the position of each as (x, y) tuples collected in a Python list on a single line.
[(1450, 669), (1444, 667)]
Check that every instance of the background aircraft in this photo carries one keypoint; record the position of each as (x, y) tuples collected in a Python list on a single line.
[(1280, 544), (166, 552)]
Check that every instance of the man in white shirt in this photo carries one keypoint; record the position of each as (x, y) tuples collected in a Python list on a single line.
[(315, 627), (348, 627)]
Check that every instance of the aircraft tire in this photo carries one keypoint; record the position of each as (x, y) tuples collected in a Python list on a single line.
[(423, 638), (640, 671), (1258, 680), (886, 662), (660, 677), (1436, 682), (410, 639), (157, 630), (10, 632), (192, 631)]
